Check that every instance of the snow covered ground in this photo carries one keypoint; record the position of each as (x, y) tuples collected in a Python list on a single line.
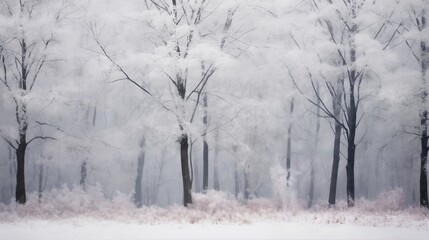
[(91, 229), (74, 214)]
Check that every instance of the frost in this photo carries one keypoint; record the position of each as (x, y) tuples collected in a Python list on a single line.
[(211, 208)]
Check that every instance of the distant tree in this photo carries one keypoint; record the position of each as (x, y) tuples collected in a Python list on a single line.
[(226, 29), (314, 154), (340, 22), (216, 184), (83, 165), (138, 196), (289, 142), (414, 27)]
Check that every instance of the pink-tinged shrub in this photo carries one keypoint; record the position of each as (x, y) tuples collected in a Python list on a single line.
[(211, 208), (390, 201), (214, 201)]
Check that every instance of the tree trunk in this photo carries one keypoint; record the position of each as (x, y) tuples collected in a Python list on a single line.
[(311, 190), (205, 166), (336, 102), (22, 119), (183, 140), (236, 181), (138, 196), (20, 194), (424, 62), (21, 114), (83, 165), (40, 183), (205, 147), (187, 184), (423, 158), (352, 111), (246, 183), (335, 165), (157, 184), (216, 185), (350, 173), (12, 169), (289, 143), (316, 143), (196, 175), (351, 146), (83, 174)]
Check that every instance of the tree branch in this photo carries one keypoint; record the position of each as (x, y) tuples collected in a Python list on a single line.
[(8, 142), (117, 65), (50, 125), (40, 137)]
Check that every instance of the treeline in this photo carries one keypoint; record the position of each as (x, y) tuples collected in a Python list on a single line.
[(259, 98)]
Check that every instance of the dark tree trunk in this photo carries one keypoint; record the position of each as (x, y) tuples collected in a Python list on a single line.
[(20, 194), (183, 140), (335, 165), (351, 146), (350, 173), (205, 147), (21, 117), (423, 171), (336, 103), (352, 110), (423, 158), (187, 184), (205, 167), (138, 195), (424, 62)]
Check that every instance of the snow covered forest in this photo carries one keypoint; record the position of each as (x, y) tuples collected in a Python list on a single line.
[(267, 106)]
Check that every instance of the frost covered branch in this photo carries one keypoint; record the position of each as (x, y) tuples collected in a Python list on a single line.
[(40, 137), (127, 77)]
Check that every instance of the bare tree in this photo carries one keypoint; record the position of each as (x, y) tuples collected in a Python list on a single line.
[(337, 36), (181, 13), (417, 20), (23, 58), (346, 92), (336, 106), (226, 29)]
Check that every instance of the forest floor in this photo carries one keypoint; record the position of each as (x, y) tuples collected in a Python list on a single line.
[(73, 214), (102, 229)]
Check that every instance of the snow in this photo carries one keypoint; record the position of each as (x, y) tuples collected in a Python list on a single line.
[(91, 229), (76, 214)]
